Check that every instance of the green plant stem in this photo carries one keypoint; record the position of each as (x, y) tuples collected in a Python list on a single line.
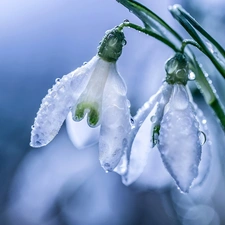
[(189, 28), (190, 42), (142, 12), (197, 26), (202, 81), (150, 33)]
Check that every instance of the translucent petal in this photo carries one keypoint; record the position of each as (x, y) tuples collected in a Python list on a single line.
[(139, 141), (205, 163), (115, 125), (179, 142), (58, 102), (80, 133), (90, 101)]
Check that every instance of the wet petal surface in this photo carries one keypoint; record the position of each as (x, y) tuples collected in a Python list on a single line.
[(179, 142), (58, 102)]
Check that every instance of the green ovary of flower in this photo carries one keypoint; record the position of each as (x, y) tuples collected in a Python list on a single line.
[(91, 109), (177, 69)]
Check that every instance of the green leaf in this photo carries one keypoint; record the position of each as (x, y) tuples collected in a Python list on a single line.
[(211, 48)]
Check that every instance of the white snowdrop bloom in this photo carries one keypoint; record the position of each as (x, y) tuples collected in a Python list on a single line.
[(95, 91), (170, 123)]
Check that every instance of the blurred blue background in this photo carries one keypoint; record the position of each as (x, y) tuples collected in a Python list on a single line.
[(58, 184)]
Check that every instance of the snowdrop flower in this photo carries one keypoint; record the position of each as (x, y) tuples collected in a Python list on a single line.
[(96, 91), (168, 120)]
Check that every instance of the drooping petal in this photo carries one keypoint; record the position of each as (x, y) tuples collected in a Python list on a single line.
[(179, 142), (80, 133), (58, 102), (115, 126), (139, 143), (206, 156)]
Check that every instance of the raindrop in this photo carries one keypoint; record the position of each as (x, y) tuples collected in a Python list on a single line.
[(204, 121), (132, 120), (57, 80), (84, 63), (32, 127), (191, 76), (126, 21), (49, 90), (202, 137), (153, 119), (128, 103), (124, 42)]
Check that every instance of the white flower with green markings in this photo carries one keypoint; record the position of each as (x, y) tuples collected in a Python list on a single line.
[(96, 91), (169, 120)]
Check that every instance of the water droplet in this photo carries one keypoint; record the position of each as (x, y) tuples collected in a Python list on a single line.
[(132, 120), (84, 63), (49, 90), (106, 171), (153, 119), (128, 103), (191, 76), (202, 137), (57, 80), (124, 42), (106, 165), (126, 21), (32, 127), (204, 121)]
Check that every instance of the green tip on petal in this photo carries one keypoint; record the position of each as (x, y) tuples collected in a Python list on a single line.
[(91, 109), (177, 69), (110, 47), (155, 135)]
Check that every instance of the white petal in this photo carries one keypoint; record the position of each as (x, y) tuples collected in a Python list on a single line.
[(80, 133), (58, 102), (206, 156), (139, 142), (93, 93), (115, 125), (179, 142)]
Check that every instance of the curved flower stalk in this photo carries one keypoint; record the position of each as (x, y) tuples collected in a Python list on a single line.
[(96, 91), (169, 119)]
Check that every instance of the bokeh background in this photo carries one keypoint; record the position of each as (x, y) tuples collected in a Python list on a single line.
[(60, 185)]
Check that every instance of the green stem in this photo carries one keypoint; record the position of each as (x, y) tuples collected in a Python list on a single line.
[(202, 81), (190, 42), (197, 26), (143, 13), (188, 27), (150, 33)]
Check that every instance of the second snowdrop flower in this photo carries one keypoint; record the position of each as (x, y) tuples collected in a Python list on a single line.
[(175, 129)]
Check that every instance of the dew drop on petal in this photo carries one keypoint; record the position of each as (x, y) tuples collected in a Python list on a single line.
[(132, 120), (191, 76), (204, 121), (84, 63), (57, 80), (202, 137), (124, 42), (153, 119), (128, 103)]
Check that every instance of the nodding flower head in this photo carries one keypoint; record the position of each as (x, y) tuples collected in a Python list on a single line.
[(110, 47), (170, 119), (177, 69), (95, 90)]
